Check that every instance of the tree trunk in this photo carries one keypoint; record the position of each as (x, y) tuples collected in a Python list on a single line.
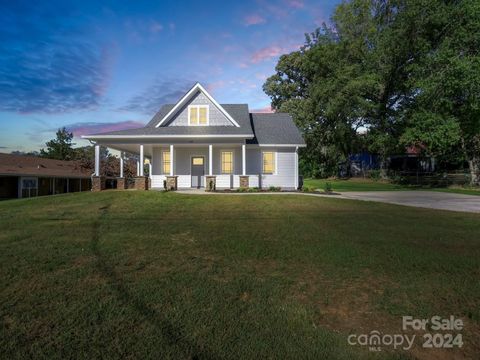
[(383, 166), (474, 166)]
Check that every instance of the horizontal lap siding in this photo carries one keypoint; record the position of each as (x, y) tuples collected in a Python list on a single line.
[(157, 181), (223, 181), (285, 167)]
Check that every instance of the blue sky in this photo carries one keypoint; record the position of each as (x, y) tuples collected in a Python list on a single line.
[(95, 66)]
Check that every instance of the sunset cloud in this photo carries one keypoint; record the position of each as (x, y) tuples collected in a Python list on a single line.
[(266, 53), (254, 19), (43, 71), (270, 52), (159, 93), (265, 110), (88, 128), (298, 4)]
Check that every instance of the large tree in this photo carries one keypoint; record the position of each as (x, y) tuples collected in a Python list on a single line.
[(60, 148), (405, 72), (446, 114)]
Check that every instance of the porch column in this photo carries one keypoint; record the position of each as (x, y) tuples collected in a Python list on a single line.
[(142, 161), (98, 182), (150, 169), (210, 160), (121, 164), (172, 160), (97, 160), (138, 167), (244, 165)]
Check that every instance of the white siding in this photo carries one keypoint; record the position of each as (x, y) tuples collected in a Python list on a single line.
[(224, 181), (157, 181), (284, 176), (216, 117)]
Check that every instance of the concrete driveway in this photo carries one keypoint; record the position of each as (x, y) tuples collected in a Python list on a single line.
[(425, 199)]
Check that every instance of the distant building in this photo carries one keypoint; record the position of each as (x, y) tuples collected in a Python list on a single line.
[(28, 176)]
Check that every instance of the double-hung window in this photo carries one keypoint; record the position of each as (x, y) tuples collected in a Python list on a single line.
[(198, 115), (268, 162), (166, 162), (227, 162)]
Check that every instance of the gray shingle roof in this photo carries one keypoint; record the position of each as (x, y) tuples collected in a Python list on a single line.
[(275, 128), (239, 112)]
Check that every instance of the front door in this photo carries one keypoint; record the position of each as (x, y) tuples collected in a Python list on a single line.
[(197, 171)]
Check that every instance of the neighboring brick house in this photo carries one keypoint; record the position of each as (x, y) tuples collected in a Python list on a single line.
[(28, 176), (197, 142)]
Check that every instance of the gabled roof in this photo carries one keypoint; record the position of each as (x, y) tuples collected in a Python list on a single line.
[(197, 87), (275, 129), (262, 129), (16, 165), (239, 112)]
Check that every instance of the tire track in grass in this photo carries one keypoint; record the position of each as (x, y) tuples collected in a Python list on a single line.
[(172, 334)]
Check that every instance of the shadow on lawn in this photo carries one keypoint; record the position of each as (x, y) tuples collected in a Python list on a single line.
[(173, 335)]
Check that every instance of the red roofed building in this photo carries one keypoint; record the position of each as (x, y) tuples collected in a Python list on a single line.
[(27, 176)]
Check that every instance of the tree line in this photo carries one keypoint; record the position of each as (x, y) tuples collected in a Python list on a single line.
[(383, 76), (62, 148)]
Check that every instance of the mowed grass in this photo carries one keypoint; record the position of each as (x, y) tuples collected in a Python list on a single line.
[(362, 184), (164, 275), (355, 184)]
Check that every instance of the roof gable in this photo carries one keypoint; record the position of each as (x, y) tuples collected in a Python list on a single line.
[(186, 99), (215, 116)]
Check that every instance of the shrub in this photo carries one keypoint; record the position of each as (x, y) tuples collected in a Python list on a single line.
[(374, 175), (306, 188), (328, 187), (274, 188)]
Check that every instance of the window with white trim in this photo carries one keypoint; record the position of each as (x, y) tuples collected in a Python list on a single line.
[(166, 162), (268, 162), (198, 115), (227, 162)]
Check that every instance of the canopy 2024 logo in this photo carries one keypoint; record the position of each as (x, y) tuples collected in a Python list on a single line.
[(447, 337)]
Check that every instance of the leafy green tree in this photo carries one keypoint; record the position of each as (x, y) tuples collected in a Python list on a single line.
[(404, 72), (60, 148), (446, 113)]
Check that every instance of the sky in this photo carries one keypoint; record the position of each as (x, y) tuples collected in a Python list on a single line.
[(94, 66)]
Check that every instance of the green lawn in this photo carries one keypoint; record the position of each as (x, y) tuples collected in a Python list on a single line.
[(164, 275), (361, 184), (354, 184)]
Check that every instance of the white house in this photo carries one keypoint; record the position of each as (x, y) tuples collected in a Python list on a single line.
[(198, 142)]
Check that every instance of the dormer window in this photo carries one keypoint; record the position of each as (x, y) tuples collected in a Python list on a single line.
[(198, 115)]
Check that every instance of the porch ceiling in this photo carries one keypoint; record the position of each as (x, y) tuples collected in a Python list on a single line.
[(148, 148)]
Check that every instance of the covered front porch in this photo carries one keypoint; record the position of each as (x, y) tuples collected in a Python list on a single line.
[(176, 166)]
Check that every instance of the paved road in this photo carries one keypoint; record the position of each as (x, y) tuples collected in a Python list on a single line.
[(425, 199)]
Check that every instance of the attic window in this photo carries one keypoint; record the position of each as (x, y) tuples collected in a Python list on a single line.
[(198, 115)]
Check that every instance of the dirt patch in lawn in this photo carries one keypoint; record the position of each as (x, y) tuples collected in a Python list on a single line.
[(350, 308)]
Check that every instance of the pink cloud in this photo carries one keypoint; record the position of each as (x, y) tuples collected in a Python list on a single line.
[(254, 19), (265, 110), (88, 128), (298, 4), (266, 53), (212, 87), (271, 52)]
